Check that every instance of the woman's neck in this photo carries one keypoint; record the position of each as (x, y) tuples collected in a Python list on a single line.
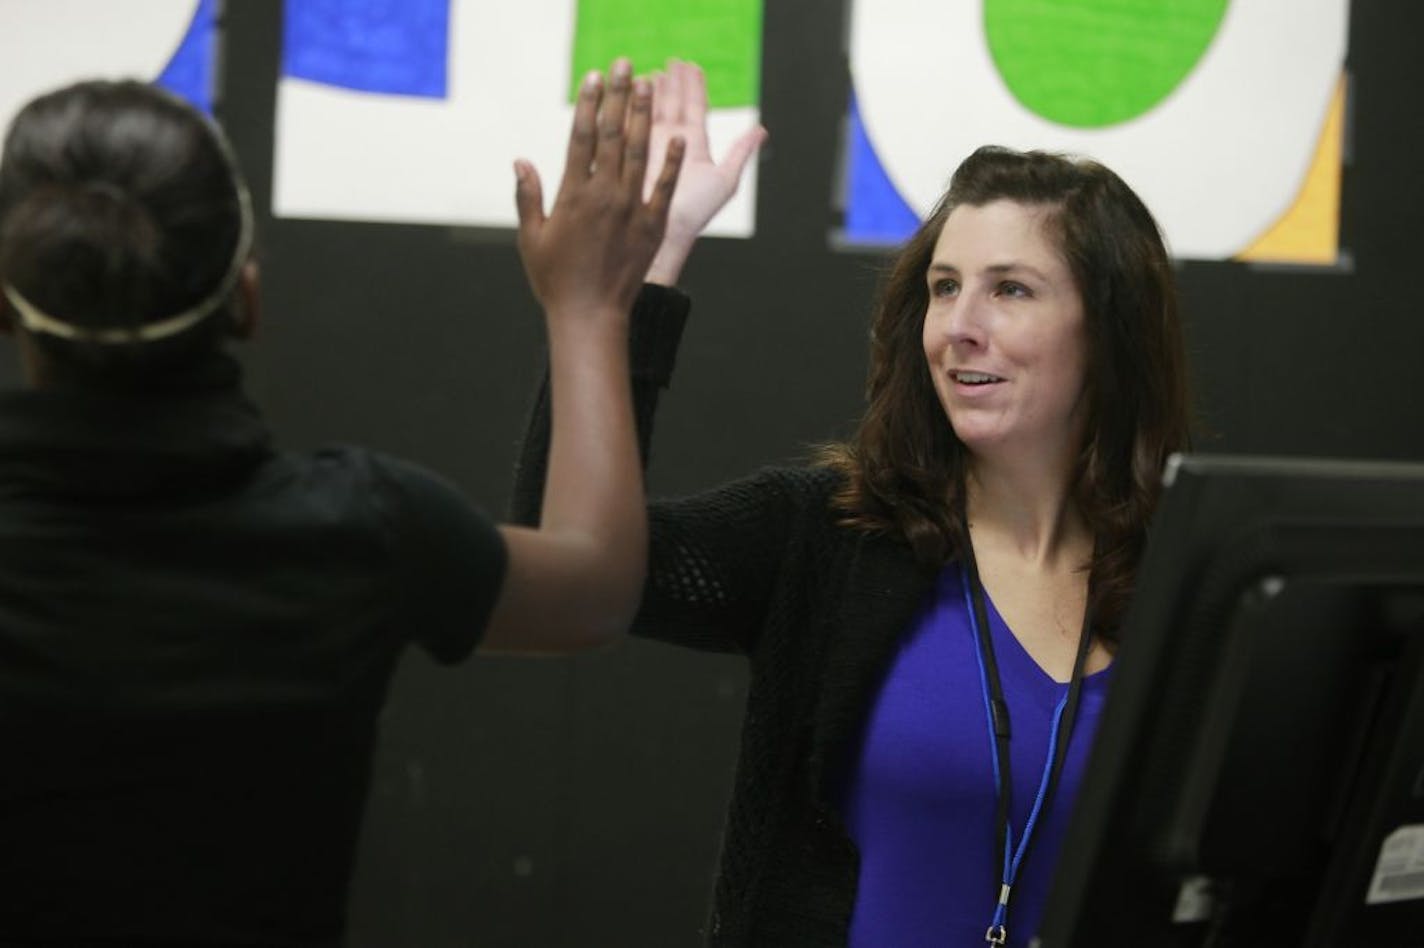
[(1027, 512)]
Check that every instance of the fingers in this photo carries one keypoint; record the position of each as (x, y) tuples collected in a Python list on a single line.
[(666, 184), (608, 155), (528, 200), (661, 93), (584, 137), (635, 151), (694, 93), (680, 102), (674, 109)]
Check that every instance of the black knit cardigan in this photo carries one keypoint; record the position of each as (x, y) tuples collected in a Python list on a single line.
[(761, 566)]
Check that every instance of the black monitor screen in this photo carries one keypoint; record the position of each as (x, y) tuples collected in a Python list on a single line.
[(1258, 775)]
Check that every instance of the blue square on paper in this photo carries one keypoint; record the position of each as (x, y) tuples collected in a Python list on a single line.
[(395, 47)]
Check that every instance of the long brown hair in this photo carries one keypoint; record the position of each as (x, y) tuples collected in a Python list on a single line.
[(904, 467)]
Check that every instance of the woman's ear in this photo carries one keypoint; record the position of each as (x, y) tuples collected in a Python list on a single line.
[(248, 309)]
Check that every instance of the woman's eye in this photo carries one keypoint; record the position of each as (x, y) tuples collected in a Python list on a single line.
[(944, 287), (1011, 289)]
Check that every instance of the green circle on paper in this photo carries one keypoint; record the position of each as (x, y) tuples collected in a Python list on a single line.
[(1091, 63)]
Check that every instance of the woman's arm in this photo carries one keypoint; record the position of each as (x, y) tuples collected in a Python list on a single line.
[(574, 581)]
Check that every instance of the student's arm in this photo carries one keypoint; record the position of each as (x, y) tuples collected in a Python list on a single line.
[(574, 581), (703, 188), (713, 557)]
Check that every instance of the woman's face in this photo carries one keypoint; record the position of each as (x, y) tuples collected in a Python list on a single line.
[(1004, 332)]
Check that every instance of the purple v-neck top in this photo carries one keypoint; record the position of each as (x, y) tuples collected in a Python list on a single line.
[(919, 800)]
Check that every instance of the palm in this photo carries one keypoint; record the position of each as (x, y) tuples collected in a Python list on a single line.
[(703, 186)]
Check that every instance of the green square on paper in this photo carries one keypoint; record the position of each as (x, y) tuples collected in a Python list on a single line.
[(721, 36)]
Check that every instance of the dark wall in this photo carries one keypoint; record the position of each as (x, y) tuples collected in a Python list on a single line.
[(578, 802)]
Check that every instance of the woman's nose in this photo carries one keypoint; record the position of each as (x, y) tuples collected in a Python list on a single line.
[(965, 320)]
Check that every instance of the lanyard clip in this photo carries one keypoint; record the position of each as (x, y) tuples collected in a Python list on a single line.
[(996, 935)]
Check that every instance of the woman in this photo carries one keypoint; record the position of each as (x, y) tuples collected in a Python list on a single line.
[(930, 612), (196, 630)]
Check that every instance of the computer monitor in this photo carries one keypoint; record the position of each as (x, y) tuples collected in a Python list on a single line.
[(1258, 773)]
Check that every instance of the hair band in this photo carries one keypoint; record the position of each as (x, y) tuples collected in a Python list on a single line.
[(37, 320)]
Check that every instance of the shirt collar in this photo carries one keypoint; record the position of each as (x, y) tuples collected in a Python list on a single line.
[(70, 441)]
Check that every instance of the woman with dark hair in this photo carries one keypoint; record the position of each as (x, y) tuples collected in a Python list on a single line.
[(930, 611), (197, 630)]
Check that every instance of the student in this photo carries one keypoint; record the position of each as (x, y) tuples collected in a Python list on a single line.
[(197, 630), (962, 562)]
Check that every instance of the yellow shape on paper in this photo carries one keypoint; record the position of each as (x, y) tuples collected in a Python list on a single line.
[(1309, 231)]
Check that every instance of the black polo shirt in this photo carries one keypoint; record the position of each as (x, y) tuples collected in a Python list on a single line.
[(196, 635)]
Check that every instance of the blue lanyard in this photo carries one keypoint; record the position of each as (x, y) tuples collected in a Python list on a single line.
[(996, 711)]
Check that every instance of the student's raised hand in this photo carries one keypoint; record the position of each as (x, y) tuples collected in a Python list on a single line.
[(705, 185), (590, 253)]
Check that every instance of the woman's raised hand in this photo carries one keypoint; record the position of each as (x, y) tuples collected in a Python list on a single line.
[(705, 186), (591, 252)]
